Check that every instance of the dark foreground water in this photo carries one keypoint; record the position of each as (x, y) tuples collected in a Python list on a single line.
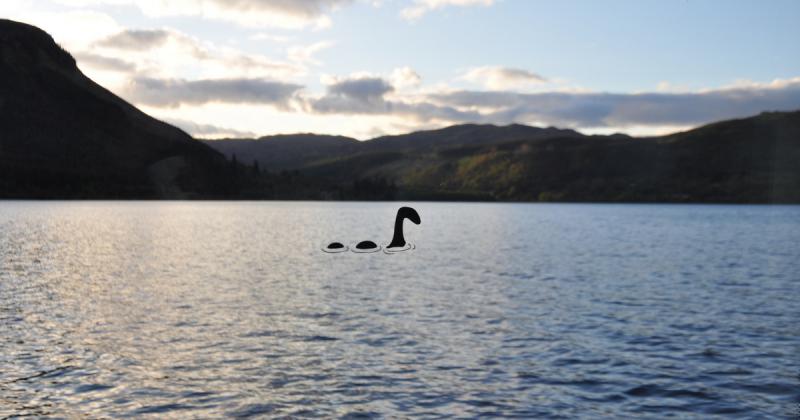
[(176, 309)]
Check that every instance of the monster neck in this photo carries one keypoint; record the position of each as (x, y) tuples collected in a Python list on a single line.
[(398, 240)]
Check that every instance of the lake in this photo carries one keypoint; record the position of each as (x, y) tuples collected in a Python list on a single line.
[(210, 309)]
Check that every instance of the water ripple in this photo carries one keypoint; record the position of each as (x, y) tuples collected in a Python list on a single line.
[(206, 310)]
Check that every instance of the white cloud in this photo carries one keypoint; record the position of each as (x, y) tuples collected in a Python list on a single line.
[(292, 14), (268, 120), (167, 53), (669, 87), (502, 78), (421, 7), (750, 84), (304, 54), (405, 77), (208, 131)]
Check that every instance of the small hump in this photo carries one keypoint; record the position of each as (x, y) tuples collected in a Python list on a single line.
[(334, 247), (366, 245)]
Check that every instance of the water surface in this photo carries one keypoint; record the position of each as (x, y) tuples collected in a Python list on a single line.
[(208, 309)]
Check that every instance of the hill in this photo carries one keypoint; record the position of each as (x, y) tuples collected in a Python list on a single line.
[(290, 151), (750, 160), (65, 136), (296, 151), (463, 135)]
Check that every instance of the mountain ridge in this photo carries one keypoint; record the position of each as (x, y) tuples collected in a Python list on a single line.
[(271, 150), (744, 160)]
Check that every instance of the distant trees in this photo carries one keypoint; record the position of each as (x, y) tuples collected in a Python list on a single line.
[(376, 188)]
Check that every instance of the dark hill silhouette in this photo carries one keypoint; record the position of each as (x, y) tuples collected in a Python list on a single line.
[(749, 160), (464, 135), (65, 136), (301, 150), (287, 151)]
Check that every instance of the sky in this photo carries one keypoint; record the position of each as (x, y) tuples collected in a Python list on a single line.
[(364, 68)]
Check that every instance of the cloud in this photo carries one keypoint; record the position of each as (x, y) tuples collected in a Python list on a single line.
[(208, 130), (373, 95), (496, 77), (405, 77), (230, 61), (294, 14), (366, 94), (365, 88), (354, 95), (136, 39), (425, 112), (146, 40), (176, 92), (167, 53), (305, 8), (101, 62), (305, 53), (421, 7), (580, 110)]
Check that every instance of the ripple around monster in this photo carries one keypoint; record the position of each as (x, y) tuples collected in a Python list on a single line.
[(397, 244)]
